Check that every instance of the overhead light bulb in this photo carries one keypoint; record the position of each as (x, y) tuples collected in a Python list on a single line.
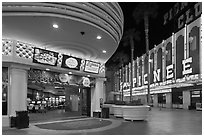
[(98, 37), (55, 26), (104, 51)]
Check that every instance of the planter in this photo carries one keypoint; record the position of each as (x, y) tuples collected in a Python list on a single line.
[(118, 110), (110, 107), (135, 112)]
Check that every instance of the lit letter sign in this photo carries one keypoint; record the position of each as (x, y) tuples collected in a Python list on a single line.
[(157, 75), (145, 81), (134, 82), (169, 71), (139, 82), (180, 22), (188, 16), (198, 8), (186, 66)]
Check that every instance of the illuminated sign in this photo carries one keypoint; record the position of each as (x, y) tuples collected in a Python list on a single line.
[(71, 62), (46, 57), (86, 82), (170, 71), (64, 77), (183, 13), (92, 67), (175, 62)]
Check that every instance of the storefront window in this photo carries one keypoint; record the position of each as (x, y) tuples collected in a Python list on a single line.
[(4, 90), (162, 98), (177, 97), (196, 98)]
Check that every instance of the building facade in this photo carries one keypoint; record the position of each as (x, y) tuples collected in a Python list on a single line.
[(175, 68), (72, 60)]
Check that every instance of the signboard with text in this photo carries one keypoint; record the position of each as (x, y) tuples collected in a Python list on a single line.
[(45, 57), (71, 62), (92, 67)]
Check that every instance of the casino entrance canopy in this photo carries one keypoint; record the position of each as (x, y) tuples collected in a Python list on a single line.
[(89, 31)]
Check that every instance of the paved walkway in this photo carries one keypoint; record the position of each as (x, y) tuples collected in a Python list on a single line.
[(160, 122)]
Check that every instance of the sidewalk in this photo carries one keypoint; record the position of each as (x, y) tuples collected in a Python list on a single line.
[(160, 122)]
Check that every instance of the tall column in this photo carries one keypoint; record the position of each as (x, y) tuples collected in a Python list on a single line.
[(155, 100), (186, 99), (97, 92), (169, 100), (17, 89)]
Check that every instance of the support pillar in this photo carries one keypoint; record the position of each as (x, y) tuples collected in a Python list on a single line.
[(169, 100), (186, 99), (155, 100), (97, 92), (17, 89)]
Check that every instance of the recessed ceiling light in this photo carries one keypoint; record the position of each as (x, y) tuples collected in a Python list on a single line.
[(55, 26), (70, 73), (47, 69), (98, 37), (104, 51)]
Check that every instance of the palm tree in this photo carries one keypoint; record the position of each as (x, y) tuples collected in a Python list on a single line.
[(130, 37), (145, 11)]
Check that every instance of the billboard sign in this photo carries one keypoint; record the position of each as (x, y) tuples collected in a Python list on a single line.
[(46, 57), (92, 67)]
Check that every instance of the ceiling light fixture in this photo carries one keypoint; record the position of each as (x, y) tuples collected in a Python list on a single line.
[(104, 51), (55, 26), (70, 73), (47, 69), (98, 37)]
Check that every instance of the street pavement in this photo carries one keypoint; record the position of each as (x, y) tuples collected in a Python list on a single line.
[(160, 122)]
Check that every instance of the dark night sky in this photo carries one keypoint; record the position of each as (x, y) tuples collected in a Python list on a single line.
[(157, 31)]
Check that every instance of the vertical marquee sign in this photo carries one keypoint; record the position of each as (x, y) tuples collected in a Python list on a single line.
[(151, 65), (135, 73), (158, 72), (169, 59), (140, 72), (193, 45), (180, 41), (145, 78)]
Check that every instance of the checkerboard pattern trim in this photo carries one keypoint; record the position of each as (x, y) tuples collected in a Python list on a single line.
[(7, 47), (24, 50)]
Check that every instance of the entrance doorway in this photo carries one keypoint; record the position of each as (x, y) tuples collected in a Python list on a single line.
[(48, 98)]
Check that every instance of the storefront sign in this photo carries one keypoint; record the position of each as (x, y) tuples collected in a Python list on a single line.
[(186, 66), (46, 57), (92, 67), (170, 71), (64, 77), (183, 13), (86, 82), (71, 62), (176, 61)]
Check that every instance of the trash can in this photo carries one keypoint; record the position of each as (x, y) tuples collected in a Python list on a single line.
[(105, 112), (97, 114), (12, 121), (22, 119)]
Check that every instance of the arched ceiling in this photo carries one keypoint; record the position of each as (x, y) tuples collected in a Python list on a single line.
[(37, 29)]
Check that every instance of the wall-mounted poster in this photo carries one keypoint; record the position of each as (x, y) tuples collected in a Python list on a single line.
[(46, 57), (71, 62), (92, 67)]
